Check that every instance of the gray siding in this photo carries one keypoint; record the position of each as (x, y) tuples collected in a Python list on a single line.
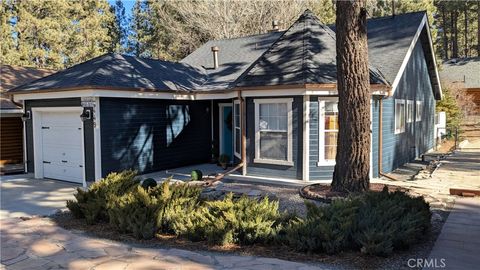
[(152, 135), (87, 133), (316, 172), (375, 110), (418, 136), (291, 172)]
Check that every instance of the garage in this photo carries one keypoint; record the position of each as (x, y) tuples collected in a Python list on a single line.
[(58, 144)]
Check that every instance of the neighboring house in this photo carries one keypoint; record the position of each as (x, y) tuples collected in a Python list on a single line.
[(11, 125), (269, 100), (464, 72)]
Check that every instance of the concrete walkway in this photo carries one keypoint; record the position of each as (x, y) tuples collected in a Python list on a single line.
[(458, 246), (39, 244), (23, 196)]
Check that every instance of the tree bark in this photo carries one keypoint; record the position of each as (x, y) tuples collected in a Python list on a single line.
[(351, 173), (445, 37), (465, 12), (455, 34), (478, 29)]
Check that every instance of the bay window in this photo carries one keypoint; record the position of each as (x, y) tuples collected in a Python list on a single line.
[(273, 131), (328, 131)]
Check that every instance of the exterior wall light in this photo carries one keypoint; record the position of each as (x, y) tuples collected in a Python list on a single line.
[(86, 115), (26, 116)]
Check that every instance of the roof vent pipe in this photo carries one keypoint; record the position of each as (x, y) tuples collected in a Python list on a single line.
[(275, 26), (215, 50)]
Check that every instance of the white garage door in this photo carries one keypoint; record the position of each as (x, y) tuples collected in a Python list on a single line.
[(62, 146)]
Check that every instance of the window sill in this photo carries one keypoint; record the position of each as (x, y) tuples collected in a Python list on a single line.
[(325, 163), (273, 162), (399, 132)]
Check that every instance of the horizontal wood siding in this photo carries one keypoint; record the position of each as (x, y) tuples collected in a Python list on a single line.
[(152, 135), (418, 136), (11, 140), (267, 170), (316, 172)]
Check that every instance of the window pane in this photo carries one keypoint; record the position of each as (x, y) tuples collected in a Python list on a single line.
[(273, 116), (331, 115), (330, 144), (330, 152), (273, 145), (238, 138)]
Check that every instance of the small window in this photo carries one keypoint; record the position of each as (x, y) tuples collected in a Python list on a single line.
[(328, 131), (410, 111), (237, 133), (399, 116), (419, 111), (273, 131)]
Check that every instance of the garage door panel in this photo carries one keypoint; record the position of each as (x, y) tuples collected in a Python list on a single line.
[(57, 171), (62, 146), (73, 155)]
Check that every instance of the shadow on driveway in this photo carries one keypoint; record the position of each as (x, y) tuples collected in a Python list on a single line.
[(22, 195)]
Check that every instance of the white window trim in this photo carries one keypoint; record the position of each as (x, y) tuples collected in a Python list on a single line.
[(412, 113), (321, 132), (257, 159), (399, 101), (235, 153), (418, 116)]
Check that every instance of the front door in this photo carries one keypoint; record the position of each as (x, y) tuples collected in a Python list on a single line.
[(226, 126)]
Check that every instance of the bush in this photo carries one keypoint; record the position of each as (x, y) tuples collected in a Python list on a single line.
[(143, 212), (388, 221), (374, 222), (149, 183), (196, 175), (243, 221), (325, 229), (92, 203)]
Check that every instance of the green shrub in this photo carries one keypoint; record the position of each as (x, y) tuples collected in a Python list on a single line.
[(196, 175), (242, 221), (388, 221), (325, 229), (92, 204), (149, 183)]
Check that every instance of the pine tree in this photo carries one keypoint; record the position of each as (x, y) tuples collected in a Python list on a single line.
[(118, 30), (351, 173)]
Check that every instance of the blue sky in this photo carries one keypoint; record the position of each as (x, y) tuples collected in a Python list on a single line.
[(128, 4)]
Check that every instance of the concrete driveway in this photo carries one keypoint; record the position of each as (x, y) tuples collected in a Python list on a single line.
[(22, 195)]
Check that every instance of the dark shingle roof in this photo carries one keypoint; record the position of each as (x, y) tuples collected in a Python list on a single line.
[(466, 70), (234, 57), (304, 54), (122, 71)]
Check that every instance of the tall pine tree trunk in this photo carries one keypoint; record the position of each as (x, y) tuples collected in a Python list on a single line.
[(352, 166), (478, 29), (455, 34), (465, 13), (445, 37)]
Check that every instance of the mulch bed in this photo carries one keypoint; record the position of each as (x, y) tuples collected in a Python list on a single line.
[(343, 260), (323, 192)]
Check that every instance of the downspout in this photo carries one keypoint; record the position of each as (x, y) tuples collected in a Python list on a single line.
[(380, 140)]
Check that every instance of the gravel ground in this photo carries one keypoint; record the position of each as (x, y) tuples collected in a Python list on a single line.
[(288, 197)]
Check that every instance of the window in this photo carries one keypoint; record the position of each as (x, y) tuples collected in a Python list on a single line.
[(419, 111), (328, 131), (399, 116), (273, 131), (409, 111), (237, 132)]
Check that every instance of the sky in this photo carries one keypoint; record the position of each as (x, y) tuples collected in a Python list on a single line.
[(128, 4)]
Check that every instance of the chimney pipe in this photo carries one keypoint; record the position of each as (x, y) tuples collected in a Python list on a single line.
[(275, 26), (215, 50)]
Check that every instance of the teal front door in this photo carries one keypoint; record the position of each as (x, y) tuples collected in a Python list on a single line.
[(226, 126)]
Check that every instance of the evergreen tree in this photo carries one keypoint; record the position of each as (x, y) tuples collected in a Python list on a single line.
[(118, 31)]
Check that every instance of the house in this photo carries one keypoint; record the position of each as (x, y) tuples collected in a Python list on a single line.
[(267, 101), (464, 72), (11, 125)]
